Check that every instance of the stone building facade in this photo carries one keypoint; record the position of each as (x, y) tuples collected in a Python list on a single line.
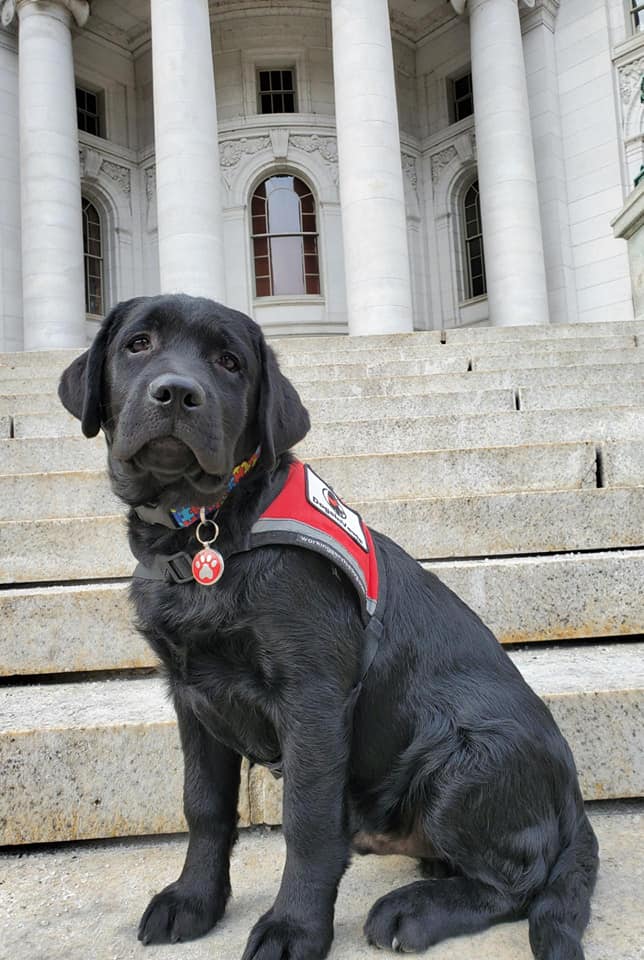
[(324, 165)]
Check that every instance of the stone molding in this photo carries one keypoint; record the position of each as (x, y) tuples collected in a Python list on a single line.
[(460, 6), (326, 147), (542, 13), (92, 164), (631, 77), (79, 9), (462, 148)]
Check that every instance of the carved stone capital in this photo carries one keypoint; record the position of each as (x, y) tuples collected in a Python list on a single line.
[(79, 9), (461, 5)]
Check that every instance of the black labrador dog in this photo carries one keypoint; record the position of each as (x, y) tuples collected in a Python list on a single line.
[(441, 751)]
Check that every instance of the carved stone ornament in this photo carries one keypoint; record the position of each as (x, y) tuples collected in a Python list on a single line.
[(460, 5), (79, 10), (119, 174), (327, 147), (631, 77), (441, 160), (409, 169), (231, 151), (90, 163), (150, 183)]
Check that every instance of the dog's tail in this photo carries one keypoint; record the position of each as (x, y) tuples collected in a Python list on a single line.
[(559, 914)]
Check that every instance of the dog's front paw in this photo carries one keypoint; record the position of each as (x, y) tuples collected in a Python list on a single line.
[(180, 913), (282, 938)]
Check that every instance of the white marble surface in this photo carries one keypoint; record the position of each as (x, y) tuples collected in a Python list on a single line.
[(190, 235), (512, 238), (371, 179), (52, 239)]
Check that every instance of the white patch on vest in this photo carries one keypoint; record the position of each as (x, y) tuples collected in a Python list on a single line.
[(322, 497)]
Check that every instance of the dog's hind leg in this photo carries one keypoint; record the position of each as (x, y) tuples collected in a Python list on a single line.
[(421, 914)]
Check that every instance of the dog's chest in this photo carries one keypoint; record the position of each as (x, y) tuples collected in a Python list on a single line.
[(231, 697)]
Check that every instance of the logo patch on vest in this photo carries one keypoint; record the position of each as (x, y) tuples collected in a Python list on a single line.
[(322, 497)]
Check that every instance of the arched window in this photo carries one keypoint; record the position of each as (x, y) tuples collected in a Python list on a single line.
[(285, 238), (475, 282), (94, 266)]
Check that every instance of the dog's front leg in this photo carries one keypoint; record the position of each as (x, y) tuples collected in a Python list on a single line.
[(315, 754), (192, 905)]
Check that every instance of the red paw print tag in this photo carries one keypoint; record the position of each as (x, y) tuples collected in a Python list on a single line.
[(208, 564)]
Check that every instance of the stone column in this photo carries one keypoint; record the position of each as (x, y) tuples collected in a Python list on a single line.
[(191, 255), (50, 199), (372, 197), (514, 259)]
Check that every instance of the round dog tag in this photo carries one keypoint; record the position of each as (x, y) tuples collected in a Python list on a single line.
[(207, 566)]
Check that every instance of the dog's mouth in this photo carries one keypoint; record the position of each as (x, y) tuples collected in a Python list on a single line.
[(169, 459), (167, 456)]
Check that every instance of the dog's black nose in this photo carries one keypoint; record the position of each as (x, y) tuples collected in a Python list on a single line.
[(170, 388)]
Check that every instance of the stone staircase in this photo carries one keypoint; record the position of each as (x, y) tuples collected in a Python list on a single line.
[(509, 461)]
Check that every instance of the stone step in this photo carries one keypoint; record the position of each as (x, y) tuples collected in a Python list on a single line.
[(437, 473), (623, 464), (42, 370), (563, 597), (434, 433), (461, 337), (611, 393), (554, 331), (60, 889), (587, 377), (418, 347), (107, 760), (371, 435), (578, 358), (341, 408), (42, 399), (559, 521), (441, 364)]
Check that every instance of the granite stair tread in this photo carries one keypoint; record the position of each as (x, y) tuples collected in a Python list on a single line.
[(70, 884), (107, 759)]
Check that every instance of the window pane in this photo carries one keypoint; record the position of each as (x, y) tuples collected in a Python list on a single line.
[(287, 80), (267, 103), (310, 244), (313, 285), (259, 225), (278, 103), (276, 80), (289, 103), (258, 205), (310, 264), (283, 206), (286, 255), (263, 287), (264, 81), (308, 223), (260, 245), (262, 267), (478, 287)]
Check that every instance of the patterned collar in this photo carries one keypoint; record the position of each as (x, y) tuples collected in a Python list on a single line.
[(186, 516)]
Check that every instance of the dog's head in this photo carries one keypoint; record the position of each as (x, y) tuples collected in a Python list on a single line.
[(184, 389)]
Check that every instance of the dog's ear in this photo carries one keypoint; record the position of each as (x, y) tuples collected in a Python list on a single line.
[(283, 418), (80, 387)]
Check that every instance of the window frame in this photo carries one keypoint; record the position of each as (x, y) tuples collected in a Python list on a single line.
[(87, 256), (635, 12), (453, 100), (281, 92), (466, 241), (91, 91), (268, 236)]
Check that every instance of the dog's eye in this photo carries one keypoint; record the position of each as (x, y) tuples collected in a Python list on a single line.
[(228, 362), (139, 344)]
